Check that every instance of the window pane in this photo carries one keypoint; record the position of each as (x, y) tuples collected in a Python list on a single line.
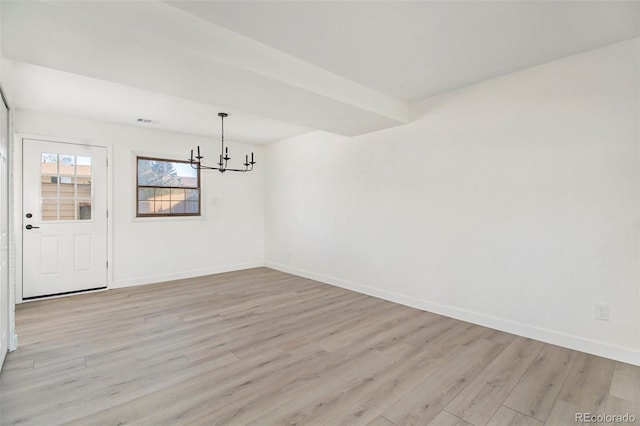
[(67, 164), (162, 194), (83, 190), (145, 194), (177, 201), (177, 194), (163, 207), (84, 210), (67, 210), (188, 176), (191, 207), (178, 207), (145, 207), (192, 194), (49, 210), (67, 186), (49, 189), (83, 166), (49, 164), (166, 173)]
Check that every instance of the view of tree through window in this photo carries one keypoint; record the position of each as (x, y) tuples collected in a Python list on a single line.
[(167, 188)]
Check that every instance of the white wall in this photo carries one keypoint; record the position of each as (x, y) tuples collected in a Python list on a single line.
[(512, 203), (228, 237)]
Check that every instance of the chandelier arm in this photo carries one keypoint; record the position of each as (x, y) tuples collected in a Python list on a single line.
[(203, 167), (238, 170)]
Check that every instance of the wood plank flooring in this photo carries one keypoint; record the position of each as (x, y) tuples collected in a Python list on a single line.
[(262, 347)]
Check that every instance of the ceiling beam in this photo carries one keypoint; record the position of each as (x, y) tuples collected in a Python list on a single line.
[(157, 47)]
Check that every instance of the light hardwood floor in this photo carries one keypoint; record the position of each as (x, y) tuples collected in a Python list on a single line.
[(263, 347)]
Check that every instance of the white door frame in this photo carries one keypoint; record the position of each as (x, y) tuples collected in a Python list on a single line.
[(13, 337), (17, 207), (7, 310)]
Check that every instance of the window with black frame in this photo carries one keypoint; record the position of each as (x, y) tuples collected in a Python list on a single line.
[(166, 188)]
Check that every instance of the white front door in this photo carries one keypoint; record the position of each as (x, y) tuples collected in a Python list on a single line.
[(64, 218)]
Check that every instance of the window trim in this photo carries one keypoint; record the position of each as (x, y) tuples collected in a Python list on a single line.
[(165, 215)]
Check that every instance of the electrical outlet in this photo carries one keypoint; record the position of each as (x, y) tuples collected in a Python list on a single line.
[(602, 312)]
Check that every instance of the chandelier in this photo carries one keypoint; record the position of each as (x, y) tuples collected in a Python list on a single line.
[(221, 166)]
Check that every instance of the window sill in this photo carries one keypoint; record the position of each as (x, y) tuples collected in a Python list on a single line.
[(167, 218)]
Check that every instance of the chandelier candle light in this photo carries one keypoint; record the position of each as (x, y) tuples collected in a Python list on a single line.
[(196, 162)]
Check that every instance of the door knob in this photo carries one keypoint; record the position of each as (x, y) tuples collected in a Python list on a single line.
[(32, 227)]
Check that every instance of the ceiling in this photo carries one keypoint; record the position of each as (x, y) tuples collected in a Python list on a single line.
[(416, 49), (281, 68)]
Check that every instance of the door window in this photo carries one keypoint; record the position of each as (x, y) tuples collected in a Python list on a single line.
[(66, 193)]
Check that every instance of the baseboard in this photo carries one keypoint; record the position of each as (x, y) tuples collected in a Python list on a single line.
[(618, 353), (13, 343), (184, 274)]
